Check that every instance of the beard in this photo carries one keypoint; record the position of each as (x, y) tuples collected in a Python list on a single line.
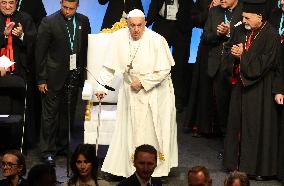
[(247, 27)]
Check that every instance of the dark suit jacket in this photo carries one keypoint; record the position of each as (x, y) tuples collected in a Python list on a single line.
[(22, 49), (115, 9), (183, 14), (35, 9), (53, 49), (215, 17), (133, 181)]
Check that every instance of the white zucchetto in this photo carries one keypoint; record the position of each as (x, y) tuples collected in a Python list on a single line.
[(135, 13)]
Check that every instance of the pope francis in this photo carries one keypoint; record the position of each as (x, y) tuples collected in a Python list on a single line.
[(146, 111)]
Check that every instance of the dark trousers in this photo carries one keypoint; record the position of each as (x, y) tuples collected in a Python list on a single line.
[(54, 120), (222, 92), (180, 43)]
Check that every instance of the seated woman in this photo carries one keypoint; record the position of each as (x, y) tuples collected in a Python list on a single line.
[(84, 166), (13, 168), (42, 175)]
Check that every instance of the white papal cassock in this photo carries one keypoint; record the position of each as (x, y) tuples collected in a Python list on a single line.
[(147, 116)]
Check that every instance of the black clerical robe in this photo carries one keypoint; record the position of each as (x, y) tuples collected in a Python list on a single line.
[(251, 141)]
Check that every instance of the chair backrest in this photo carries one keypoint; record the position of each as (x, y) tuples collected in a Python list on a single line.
[(97, 52), (12, 95)]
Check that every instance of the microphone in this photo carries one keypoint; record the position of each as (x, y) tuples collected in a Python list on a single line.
[(238, 24), (106, 86)]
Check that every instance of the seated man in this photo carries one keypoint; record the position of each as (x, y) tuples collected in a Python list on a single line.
[(17, 33), (237, 178), (145, 162), (199, 175)]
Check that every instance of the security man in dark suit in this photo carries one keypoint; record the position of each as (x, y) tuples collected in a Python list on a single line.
[(61, 55), (145, 162), (171, 19), (117, 9)]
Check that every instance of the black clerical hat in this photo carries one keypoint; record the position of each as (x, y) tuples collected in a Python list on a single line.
[(254, 6)]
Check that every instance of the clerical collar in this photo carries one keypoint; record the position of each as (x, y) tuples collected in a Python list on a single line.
[(232, 9), (69, 18), (141, 181)]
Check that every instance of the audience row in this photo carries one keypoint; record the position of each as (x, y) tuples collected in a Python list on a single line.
[(84, 166)]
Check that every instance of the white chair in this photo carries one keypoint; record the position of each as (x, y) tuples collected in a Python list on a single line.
[(97, 51)]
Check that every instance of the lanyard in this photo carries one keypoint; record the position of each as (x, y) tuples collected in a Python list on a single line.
[(226, 18), (72, 39), (19, 5), (281, 29)]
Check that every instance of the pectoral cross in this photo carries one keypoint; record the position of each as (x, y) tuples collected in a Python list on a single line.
[(130, 67)]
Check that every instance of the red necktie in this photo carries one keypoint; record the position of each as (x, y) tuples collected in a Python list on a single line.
[(8, 51)]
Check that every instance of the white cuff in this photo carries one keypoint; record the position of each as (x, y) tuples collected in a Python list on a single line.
[(22, 37)]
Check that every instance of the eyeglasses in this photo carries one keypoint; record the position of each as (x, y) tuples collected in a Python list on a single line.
[(8, 164)]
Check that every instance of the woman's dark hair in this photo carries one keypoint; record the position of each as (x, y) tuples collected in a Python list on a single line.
[(21, 160), (89, 152), (37, 174), (236, 175)]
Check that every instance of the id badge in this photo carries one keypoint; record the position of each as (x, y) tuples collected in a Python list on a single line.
[(72, 61), (171, 12)]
